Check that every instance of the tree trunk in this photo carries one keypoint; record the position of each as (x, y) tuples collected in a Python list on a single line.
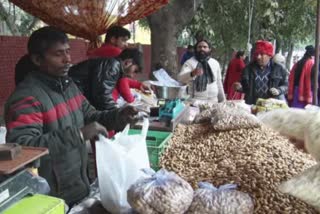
[(165, 25), (278, 46), (288, 60), (164, 41), (9, 21), (224, 63)]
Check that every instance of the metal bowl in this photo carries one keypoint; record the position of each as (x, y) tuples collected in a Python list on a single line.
[(166, 92)]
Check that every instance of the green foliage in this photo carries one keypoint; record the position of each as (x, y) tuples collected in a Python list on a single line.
[(143, 23), (225, 22), (19, 19)]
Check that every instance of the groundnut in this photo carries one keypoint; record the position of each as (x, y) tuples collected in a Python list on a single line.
[(224, 117), (258, 160), (162, 193)]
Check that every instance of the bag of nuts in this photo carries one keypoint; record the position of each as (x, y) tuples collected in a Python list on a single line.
[(225, 200), (312, 136), (163, 192), (305, 186), (227, 116), (290, 122)]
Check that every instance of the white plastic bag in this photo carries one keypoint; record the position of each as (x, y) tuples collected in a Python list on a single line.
[(305, 186), (119, 164), (290, 122), (161, 192), (225, 199)]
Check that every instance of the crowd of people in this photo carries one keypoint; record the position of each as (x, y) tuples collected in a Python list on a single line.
[(265, 76), (60, 106)]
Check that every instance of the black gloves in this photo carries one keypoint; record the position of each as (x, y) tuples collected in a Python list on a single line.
[(127, 114)]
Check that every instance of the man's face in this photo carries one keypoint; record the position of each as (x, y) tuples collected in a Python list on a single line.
[(120, 42), (56, 60), (203, 48), (263, 59)]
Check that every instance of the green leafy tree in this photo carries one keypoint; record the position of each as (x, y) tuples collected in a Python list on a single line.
[(226, 24), (17, 21)]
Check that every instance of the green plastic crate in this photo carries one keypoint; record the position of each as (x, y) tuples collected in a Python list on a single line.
[(156, 143), (37, 204)]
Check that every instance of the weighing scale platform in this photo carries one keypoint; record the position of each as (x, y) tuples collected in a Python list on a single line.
[(168, 126), (15, 180)]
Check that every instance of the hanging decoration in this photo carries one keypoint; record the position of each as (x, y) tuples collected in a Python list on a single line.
[(89, 18)]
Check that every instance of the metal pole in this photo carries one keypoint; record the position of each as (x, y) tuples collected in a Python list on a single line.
[(315, 84)]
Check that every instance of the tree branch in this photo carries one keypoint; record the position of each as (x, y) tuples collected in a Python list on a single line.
[(34, 22), (9, 21)]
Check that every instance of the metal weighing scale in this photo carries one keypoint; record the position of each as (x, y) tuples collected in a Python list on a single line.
[(16, 181)]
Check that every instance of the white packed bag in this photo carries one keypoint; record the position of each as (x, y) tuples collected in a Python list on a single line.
[(119, 164)]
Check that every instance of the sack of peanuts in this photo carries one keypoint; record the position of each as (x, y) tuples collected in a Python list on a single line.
[(225, 199), (290, 122), (163, 192), (305, 186), (299, 124), (227, 116), (312, 136)]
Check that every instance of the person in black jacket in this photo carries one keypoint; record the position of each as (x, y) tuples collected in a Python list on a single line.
[(97, 77), (23, 67), (263, 78), (48, 110)]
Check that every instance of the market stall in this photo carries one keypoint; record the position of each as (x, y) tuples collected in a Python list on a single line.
[(222, 160), (224, 145)]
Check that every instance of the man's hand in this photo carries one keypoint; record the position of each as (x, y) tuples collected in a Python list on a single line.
[(274, 91), (197, 72), (237, 86), (127, 115), (92, 130)]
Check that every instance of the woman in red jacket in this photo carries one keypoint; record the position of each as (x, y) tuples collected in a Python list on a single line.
[(126, 83), (233, 75)]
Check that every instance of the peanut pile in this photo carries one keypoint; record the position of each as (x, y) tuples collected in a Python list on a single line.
[(257, 160)]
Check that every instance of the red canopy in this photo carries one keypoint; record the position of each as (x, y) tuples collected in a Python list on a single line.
[(89, 18)]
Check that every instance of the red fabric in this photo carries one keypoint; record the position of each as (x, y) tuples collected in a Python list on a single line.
[(106, 50), (123, 89), (263, 47), (233, 75), (50, 116), (305, 91)]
